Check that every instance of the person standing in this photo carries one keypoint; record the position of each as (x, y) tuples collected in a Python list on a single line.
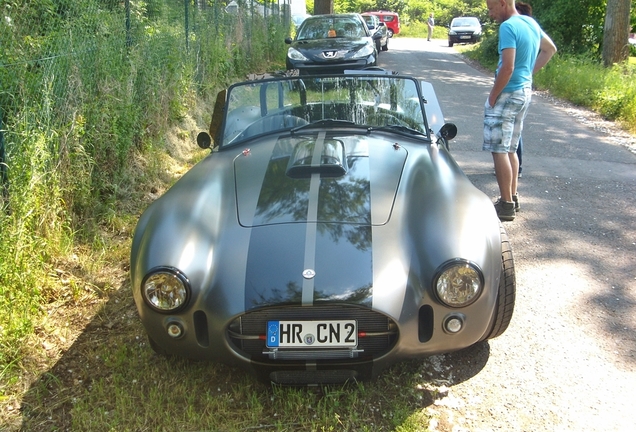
[(524, 9), (431, 26), (520, 39)]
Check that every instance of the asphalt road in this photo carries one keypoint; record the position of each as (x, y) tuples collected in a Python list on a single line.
[(568, 360)]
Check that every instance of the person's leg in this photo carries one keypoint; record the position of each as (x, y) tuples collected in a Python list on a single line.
[(519, 155), (514, 168), (504, 172)]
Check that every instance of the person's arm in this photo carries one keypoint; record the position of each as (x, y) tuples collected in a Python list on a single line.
[(503, 74), (547, 49)]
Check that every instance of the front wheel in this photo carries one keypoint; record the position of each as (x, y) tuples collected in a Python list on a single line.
[(450, 43), (389, 33), (507, 289)]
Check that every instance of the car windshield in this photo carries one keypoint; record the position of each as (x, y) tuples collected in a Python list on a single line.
[(355, 100), (370, 21), (330, 27), (465, 22)]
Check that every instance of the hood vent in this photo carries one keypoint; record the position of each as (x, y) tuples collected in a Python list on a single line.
[(318, 156)]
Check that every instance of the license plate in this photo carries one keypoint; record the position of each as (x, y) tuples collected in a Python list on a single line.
[(312, 334), (464, 37)]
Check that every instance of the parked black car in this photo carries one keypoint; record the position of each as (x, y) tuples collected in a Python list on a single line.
[(332, 43), (329, 234), (376, 26), (464, 30)]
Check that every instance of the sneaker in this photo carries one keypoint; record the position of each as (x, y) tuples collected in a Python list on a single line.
[(505, 210), (519, 175), (515, 199)]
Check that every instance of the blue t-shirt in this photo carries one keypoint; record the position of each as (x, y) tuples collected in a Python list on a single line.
[(522, 33)]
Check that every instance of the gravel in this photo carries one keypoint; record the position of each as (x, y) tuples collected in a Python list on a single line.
[(568, 360)]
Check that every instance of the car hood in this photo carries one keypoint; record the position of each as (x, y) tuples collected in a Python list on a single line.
[(278, 223), (313, 202), (466, 28), (318, 180), (341, 47)]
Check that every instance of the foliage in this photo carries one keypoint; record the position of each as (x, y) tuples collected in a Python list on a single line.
[(585, 82), (575, 27), (417, 11), (83, 99)]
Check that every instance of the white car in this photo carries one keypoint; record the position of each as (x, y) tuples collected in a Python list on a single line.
[(464, 30)]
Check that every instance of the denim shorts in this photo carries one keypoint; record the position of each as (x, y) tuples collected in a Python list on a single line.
[(503, 123)]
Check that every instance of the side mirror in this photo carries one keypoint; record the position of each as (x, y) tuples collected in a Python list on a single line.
[(204, 140), (448, 131), (288, 40)]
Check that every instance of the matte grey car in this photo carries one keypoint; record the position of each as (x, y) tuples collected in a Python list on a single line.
[(328, 234)]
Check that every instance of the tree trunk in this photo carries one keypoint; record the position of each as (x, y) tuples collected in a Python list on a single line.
[(616, 32), (324, 7)]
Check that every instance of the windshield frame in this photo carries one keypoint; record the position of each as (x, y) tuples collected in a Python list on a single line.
[(360, 100)]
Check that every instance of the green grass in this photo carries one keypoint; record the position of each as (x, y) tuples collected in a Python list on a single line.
[(110, 380)]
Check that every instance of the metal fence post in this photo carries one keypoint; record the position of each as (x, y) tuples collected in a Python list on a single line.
[(186, 23), (128, 36), (4, 187)]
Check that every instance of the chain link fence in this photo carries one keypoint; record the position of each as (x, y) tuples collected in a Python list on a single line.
[(69, 67)]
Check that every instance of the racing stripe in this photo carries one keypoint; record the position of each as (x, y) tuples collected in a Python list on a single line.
[(310, 238), (312, 224)]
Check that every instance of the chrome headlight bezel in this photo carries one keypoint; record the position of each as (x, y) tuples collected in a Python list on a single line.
[(468, 286), (295, 55), (365, 51), (166, 290)]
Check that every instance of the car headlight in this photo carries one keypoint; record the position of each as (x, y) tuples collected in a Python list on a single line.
[(458, 283), (452, 33), (365, 51), (294, 54), (165, 289)]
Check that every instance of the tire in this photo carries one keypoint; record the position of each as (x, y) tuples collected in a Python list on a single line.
[(505, 304), (450, 43), (378, 46), (389, 33), (386, 45)]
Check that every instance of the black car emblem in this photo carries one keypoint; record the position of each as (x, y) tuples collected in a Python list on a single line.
[(329, 54)]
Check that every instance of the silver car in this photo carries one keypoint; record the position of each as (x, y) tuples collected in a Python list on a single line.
[(328, 234), (464, 30)]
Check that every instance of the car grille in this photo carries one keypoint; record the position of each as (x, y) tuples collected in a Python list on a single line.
[(377, 333)]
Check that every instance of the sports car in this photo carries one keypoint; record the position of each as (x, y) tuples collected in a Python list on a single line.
[(328, 234)]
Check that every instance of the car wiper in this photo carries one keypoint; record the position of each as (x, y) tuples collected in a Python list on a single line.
[(398, 128), (325, 123)]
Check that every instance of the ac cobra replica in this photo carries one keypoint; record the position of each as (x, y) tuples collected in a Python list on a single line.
[(328, 234)]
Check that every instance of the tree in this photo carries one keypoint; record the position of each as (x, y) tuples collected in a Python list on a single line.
[(574, 26), (616, 32), (323, 7)]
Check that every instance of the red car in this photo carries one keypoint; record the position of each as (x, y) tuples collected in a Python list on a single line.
[(390, 19)]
